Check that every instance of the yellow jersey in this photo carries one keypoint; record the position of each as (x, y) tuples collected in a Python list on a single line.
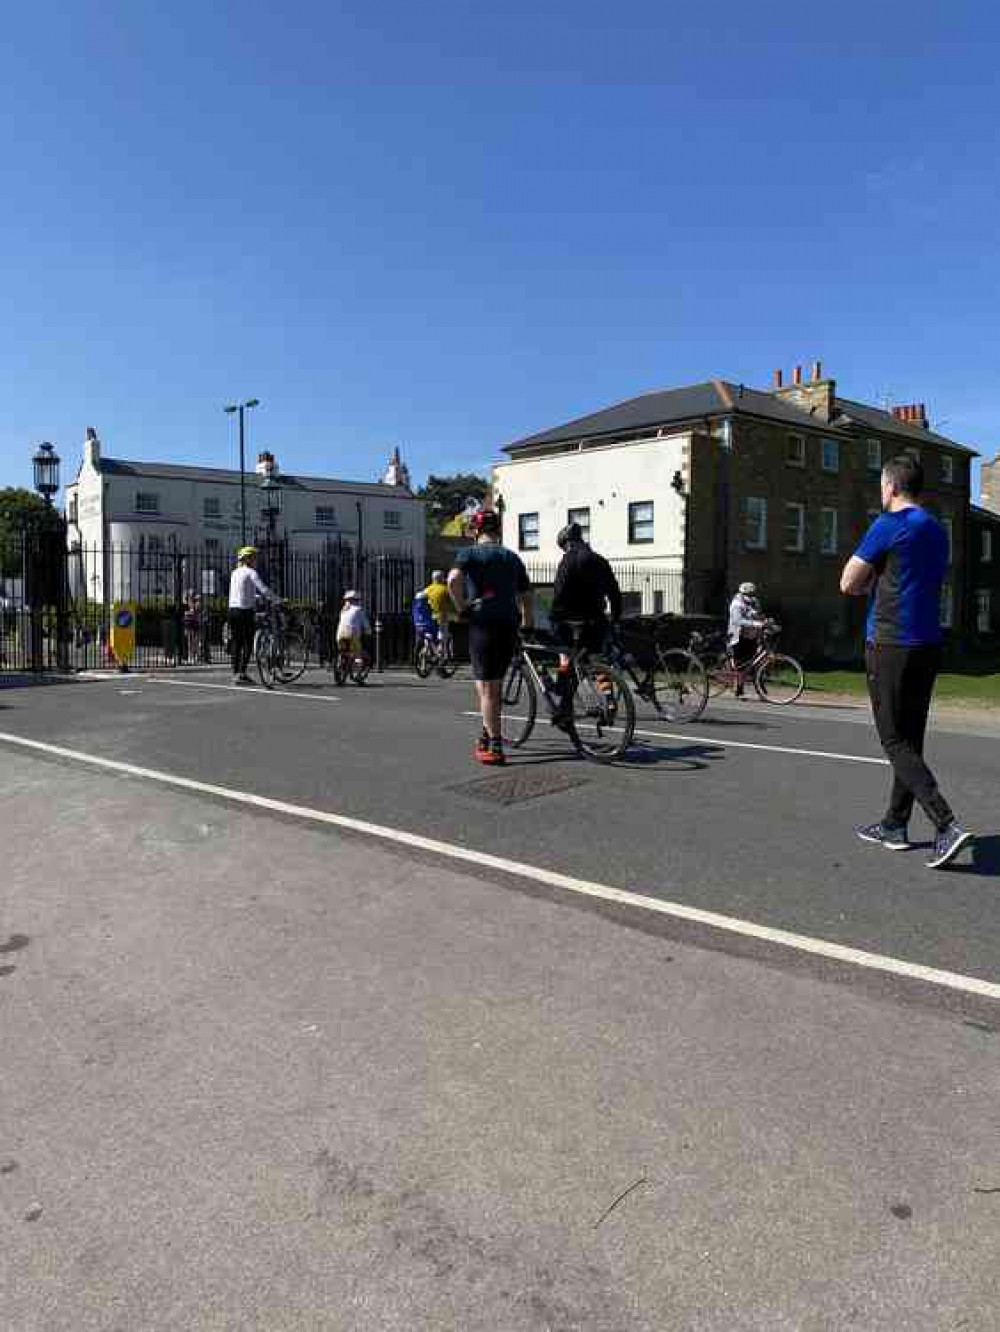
[(439, 600)]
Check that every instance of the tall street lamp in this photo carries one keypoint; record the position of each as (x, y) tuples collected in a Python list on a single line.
[(46, 465), (242, 408), (45, 571)]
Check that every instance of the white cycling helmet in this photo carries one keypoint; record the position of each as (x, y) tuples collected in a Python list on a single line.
[(748, 589)]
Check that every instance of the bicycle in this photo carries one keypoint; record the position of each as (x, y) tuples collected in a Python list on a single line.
[(600, 720), (434, 653), (279, 652), (776, 677), (350, 666), (675, 683)]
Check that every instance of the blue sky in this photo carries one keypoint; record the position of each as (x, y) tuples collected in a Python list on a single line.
[(445, 228)]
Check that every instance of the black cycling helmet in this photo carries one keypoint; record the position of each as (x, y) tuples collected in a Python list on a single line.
[(569, 535)]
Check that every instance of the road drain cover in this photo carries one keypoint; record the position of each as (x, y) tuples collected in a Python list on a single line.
[(518, 786)]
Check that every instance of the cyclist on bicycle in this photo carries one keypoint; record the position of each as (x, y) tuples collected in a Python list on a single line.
[(439, 600), (746, 620), (352, 627), (490, 587), (585, 590), (245, 586)]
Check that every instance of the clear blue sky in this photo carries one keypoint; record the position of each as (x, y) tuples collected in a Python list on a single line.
[(431, 225)]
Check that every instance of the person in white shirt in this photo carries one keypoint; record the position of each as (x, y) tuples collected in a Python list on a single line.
[(353, 625), (746, 620), (245, 586)]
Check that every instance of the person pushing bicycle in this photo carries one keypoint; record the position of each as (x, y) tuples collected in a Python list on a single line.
[(586, 591), (746, 621)]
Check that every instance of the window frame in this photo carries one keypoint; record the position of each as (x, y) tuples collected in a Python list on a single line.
[(322, 525), (392, 520), (834, 547), (982, 592), (947, 609), (800, 547), (584, 523), (759, 542), (147, 495), (834, 444), (948, 523), (635, 522), (947, 469), (211, 508), (986, 546), (873, 444), (525, 532), (799, 461)]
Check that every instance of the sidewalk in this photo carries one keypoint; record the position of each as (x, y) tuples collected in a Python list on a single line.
[(262, 1076)]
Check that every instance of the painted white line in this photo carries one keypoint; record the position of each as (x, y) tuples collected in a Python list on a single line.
[(711, 743), (802, 943), (247, 689)]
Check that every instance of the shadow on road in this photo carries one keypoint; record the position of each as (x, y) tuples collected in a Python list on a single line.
[(689, 757), (985, 860)]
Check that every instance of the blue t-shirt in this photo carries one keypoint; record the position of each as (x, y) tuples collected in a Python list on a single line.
[(495, 577), (909, 551)]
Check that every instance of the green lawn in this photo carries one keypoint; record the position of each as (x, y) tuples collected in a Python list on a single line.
[(950, 685)]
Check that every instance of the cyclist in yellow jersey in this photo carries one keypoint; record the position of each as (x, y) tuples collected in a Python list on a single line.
[(439, 598)]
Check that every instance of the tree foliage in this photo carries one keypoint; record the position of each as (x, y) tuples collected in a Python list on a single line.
[(21, 511), (447, 496)]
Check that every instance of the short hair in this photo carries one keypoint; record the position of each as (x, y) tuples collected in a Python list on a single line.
[(906, 474)]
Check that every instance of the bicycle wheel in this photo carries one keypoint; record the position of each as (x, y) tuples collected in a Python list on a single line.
[(518, 704), (603, 711), (719, 673), (447, 666), (264, 654), (360, 669), (779, 679), (292, 660), (341, 668), (422, 662), (680, 685)]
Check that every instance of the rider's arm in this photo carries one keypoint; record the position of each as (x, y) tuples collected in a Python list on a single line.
[(613, 593), (456, 586), (261, 588), (862, 568), (857, 577)]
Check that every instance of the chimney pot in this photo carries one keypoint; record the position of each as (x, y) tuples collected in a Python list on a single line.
[(797, 375), (778, 379), (817, 371)]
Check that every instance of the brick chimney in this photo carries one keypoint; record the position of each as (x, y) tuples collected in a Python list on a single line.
[(92, 448), (817, 397), (913, 413)]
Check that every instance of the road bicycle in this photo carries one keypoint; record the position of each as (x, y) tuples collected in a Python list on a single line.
[(278, 650), (348, 665), (675, 682), (434, 653), (592, 703), (776, 677)]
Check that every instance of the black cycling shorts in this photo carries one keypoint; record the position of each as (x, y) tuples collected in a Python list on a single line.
[(491, 649)]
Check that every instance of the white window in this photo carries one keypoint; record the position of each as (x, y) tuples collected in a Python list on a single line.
[(392, 520), (212, 506), (947, 606), (640, 523), (581, 516), (147, 501), (831, 455), (795, 450), (326, 515), (755, 535), (527, 531), (947, 467), (795, 527), (949, 530), (913, 452), (984, 615), (874, 455), (986, 546), (828, 521)]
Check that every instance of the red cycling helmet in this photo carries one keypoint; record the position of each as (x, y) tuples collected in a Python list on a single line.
[(486, 520)]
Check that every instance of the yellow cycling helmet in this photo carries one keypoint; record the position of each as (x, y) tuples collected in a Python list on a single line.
[(246, 552)]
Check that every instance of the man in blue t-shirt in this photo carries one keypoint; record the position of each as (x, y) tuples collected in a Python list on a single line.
[(491, 589), (900, 565)]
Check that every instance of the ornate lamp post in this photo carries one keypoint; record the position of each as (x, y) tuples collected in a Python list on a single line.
[(46, 465), (45, 563), (270, 505)]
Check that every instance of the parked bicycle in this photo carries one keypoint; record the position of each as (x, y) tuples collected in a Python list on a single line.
[(434, 653), (675, 681), (278, 650), (776, 677), (600, 710)]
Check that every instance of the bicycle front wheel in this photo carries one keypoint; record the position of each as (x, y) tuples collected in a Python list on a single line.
[(518, 704), (603, 712), (264, 654), (719, 673), (422, 663), (680, 685), (292, 661), (779, 680), (341, 668)]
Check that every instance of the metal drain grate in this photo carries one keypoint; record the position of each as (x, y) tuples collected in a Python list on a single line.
[(519, 786)]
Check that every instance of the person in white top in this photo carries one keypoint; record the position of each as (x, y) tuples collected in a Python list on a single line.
[(245, 586), (746, 620), (353, 625)]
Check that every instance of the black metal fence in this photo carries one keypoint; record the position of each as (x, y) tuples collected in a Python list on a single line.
[(647, 589), (56, 604)]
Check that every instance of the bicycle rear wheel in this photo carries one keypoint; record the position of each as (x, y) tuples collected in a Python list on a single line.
[(719, 674), (518, 704), (779, 680), (603, 712), (422, 662), (341, 668), (292, 659), (680, 685)]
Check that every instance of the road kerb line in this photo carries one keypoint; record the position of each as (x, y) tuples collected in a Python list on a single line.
[(801, 943), (711, 742), (245, 689)]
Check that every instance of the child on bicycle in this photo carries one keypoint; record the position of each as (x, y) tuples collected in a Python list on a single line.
[(352, 627)]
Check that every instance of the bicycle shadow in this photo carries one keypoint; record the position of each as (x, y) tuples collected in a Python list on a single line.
[(691, 757)]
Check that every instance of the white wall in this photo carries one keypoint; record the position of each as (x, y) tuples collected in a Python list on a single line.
[(607, 480)]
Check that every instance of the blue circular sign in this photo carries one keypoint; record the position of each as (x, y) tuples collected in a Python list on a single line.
[(123, 619)]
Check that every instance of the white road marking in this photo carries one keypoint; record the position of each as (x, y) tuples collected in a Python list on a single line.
[(802, 943), (247, 689), (711, 742)]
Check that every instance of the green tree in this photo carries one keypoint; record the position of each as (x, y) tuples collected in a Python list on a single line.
[(448, 495), (20, 511)]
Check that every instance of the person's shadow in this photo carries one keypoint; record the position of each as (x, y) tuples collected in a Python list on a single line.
[(984, 859)]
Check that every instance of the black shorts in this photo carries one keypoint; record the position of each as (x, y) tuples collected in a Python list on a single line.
[(491, 649)]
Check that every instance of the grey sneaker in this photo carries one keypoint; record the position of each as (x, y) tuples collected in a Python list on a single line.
[(947, 845), (893, 839)]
